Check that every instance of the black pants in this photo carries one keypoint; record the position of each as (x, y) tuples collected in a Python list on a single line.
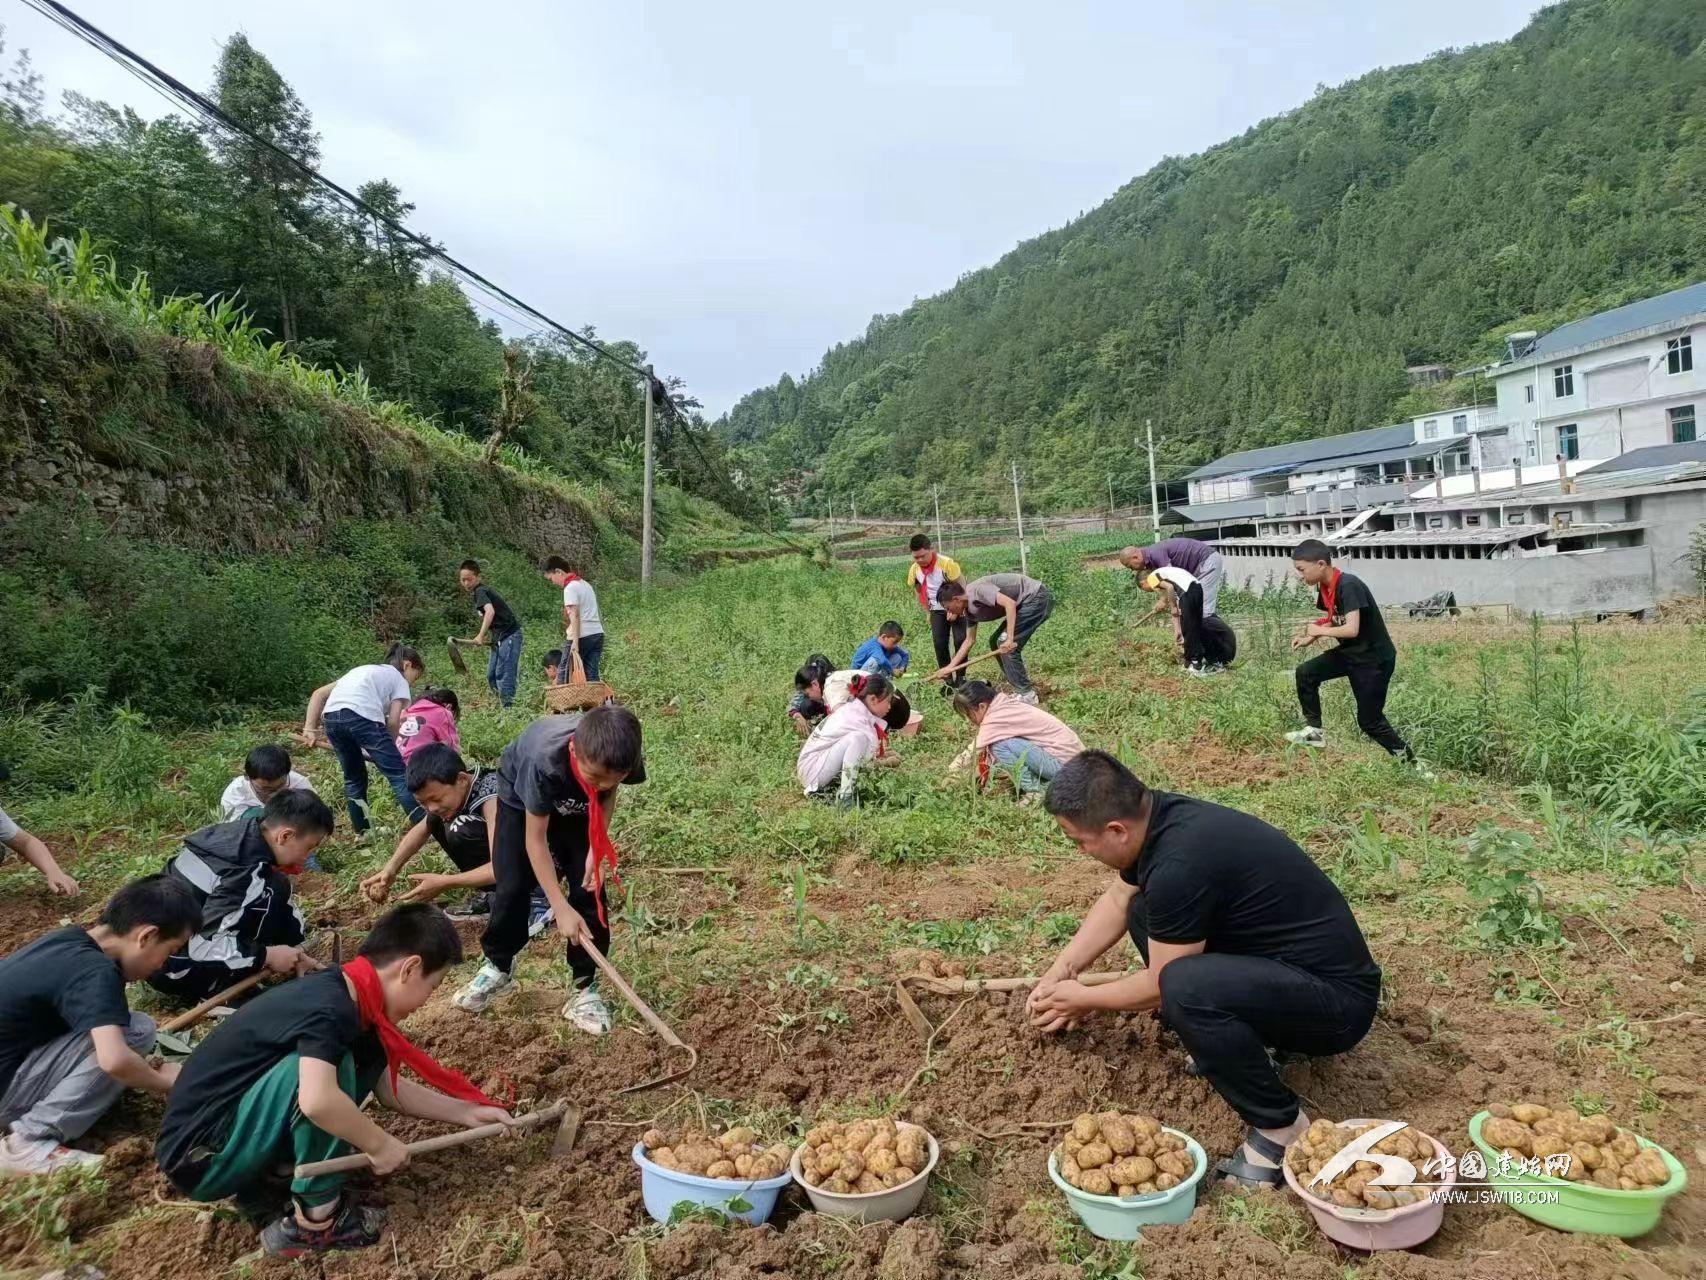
[(1190, 624), (1228, 1011), (1369, 678), (506, 930), (947, 637), (201, 970), (1028, 617), (1219, 641)]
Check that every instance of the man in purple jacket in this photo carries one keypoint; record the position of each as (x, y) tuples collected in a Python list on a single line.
[(1198, 559)]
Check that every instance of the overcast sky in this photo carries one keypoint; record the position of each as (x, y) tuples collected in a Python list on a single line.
[(739, 186)]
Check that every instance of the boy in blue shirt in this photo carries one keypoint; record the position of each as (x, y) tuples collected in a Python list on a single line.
[(882, 652)]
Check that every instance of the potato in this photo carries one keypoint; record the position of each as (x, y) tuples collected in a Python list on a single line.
[(1085, 1127), (1119, 1136), (1165, 1182), (1096, 1182), (1069, 1169), (1405, 1195), (1147, 1126), (881, 1141), (1548, 1144), (869, 1184), (838, 1186), (1379, 1198), (1345, 1200), (1624, 1146), (913, 1150), (1648, 1168), (810, 1175), (1133, 1169), (1500, 1111), (1124, 1189), (651, 1139), (1507, 1133), (1585, 1154), (1626, 1183), (1597, 1128), (858, 1135), (1094, 1155), (721, 1169), (879, 1160), (1072, 1146), (1176, 1163), (1356, 1183), (1529, 1112), (852, 1165), (1551, 1125)]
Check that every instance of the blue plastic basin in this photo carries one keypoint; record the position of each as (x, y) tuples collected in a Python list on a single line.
[(1111, 1218), (665, 1189)]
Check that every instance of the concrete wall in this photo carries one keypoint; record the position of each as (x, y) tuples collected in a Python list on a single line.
[(1562, 585)]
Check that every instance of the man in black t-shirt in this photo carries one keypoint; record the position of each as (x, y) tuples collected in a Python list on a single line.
[(1247, 945), (499, 628), (69, 1043), (461, 816), (289, 1072), (549, 781), (1364, 655)]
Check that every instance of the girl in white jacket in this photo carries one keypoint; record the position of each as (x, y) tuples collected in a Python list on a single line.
[(855, 732)]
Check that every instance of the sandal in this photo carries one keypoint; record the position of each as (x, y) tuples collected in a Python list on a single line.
[(1254, 1176)]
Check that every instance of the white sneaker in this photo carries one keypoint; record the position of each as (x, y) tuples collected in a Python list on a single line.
[(1029, 697), (1422, 771), (1308, 736), (21, 1156), (490, 984), (587, 1010)]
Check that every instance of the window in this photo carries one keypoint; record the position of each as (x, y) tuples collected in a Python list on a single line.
[(1460, 424), (1681, 423), (1471, 522), (1533, 450), (1528, 394), (1679, 355), (1564, 381), (1430, 429), (1436, 522), (1569, 443)]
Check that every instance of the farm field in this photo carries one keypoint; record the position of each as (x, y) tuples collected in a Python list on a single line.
[(1537, 912)]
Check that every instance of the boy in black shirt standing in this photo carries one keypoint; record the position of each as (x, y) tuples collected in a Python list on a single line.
[(461, 815), (1364, 655), (1247, 945), (556, 788), (497, 621), (285, 1076), (69, 1043)]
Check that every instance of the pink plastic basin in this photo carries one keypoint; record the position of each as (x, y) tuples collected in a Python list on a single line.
[(1371, 1229)]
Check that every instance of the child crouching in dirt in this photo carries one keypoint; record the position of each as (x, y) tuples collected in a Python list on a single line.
[(1013, 735), (857, 731), (266, 771), (1247, 946), (556, 790), (285, 1076), (69, 1043), (1209, 644), (238, 872), (461, 816)]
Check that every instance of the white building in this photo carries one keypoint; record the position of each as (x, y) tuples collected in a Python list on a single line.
[(1629, 378)]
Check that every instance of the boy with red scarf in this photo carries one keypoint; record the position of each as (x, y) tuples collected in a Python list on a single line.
[(556, 789), (1364, 655), (928, 571), (285, 1076)]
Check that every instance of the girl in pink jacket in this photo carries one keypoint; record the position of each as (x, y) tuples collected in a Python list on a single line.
[(429, 718)]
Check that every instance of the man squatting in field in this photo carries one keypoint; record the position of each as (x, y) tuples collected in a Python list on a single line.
[(1247, 946)]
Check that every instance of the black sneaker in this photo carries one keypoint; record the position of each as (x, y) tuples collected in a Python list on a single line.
[(476, 905), (352, 1227)]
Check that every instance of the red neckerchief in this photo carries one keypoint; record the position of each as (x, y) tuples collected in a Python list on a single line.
[(924, 572), (570, 577), (1330, 596), (983, 768), (856, 687), (598, 835), (370, 1005)]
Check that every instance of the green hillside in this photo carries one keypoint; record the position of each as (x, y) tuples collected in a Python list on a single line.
[(1275, 287)]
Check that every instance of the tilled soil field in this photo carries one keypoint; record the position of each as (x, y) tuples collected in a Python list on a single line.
[(1443, 1048)]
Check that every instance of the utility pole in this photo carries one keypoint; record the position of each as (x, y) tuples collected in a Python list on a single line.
[(1110, 495), (831, 502), (646, 499), (1154, 494), (1019, 517), (936, 497)]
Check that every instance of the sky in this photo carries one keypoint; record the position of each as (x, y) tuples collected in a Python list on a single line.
[(738, 187)]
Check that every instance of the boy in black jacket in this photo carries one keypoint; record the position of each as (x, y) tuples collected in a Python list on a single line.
[(1364, 655), (283, 1079), (237, 872)]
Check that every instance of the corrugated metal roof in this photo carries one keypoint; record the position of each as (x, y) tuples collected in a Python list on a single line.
[(1648, 313), (1290, 457), (1210, 512), (1587, 484), (1658, 455)]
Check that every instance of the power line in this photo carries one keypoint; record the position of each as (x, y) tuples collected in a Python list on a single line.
[(176, 91)]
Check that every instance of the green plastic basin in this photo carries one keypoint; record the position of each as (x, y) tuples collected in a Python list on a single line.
[(1111, 1218), (1596, 1210)]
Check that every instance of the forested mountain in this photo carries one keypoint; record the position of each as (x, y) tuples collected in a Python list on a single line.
[(1276, 286), (199, 212)]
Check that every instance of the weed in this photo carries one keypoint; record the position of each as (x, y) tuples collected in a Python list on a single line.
[(1276, 1221), (1513, 912)]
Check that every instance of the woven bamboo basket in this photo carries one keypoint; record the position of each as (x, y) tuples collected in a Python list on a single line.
[(577, 697)]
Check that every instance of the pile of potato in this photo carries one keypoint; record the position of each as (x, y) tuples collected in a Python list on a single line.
[(1350, 1190), (862, 1158), (1109, 1154), (736, 1155), (1601, 1154)]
